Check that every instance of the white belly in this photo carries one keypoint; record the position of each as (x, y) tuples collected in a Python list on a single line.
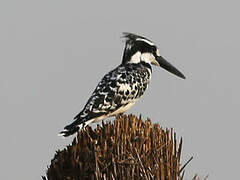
[(120, 110)]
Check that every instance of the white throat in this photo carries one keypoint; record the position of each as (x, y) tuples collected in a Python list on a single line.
[(138, 57)]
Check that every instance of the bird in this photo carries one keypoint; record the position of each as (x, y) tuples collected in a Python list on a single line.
[(119, 89)]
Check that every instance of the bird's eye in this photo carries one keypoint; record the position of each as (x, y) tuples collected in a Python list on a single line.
[(154, 49)]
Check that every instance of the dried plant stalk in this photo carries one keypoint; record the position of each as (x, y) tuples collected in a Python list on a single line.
[(128, 148)]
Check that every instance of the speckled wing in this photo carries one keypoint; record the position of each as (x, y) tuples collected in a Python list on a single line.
[(121, 86)]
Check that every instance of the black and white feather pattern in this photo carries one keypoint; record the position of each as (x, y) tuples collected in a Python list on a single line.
[(116, 92)]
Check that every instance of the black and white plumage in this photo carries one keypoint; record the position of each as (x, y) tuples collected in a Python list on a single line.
[(123, 86)]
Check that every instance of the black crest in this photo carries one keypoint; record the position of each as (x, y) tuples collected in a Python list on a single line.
[(131, 38), (136, 43)]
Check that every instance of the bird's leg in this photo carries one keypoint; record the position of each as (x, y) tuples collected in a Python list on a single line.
[(103, 123), (120, 115), (83, 125)]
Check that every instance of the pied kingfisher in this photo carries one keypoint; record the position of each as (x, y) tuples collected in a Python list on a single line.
[(123, 86)]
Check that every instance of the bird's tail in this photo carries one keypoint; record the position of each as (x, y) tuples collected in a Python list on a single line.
[(74, 127), (69, 130)]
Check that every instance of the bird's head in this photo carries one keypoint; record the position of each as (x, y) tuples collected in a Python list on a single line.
[(140, 49)]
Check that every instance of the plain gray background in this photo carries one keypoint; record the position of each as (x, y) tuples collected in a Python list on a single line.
[(53, 53)]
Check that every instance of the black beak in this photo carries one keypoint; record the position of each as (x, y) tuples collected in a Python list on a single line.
[(166, 65)]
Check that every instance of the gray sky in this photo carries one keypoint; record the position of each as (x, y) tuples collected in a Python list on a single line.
[(53, 53)]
